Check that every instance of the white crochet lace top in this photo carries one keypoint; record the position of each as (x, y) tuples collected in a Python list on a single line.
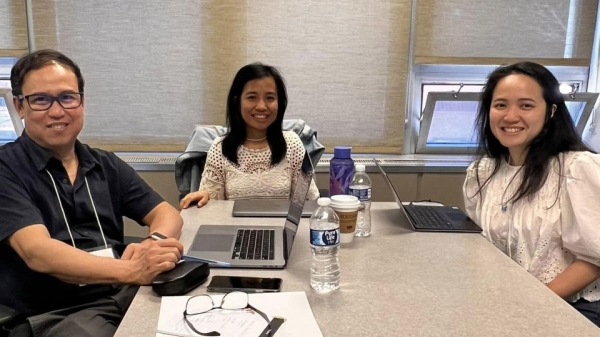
[(254, 177), (545, 234)]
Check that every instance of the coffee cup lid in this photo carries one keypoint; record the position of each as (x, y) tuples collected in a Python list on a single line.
[(345, 202)]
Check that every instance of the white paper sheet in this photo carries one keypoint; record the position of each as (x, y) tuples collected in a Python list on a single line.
[(293, 306)]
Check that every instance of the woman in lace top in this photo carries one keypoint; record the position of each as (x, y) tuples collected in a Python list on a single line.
[(255, 159), (534, 189)]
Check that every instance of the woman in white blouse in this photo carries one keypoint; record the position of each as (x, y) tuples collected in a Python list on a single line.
[(255, 159), (535, 189)]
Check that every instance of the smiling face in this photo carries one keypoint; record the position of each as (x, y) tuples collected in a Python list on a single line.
[(517, 114), (56, 128), (259, 106)]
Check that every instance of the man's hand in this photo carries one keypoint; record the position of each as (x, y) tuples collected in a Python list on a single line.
[(151, 258), (201, 197), (141, 263)]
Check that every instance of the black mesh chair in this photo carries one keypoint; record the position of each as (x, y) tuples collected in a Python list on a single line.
[(7, 316)]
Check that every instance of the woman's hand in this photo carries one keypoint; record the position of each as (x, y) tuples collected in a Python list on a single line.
[(201, 197)]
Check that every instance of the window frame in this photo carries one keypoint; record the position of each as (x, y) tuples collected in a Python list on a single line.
[(6, 64), (455, 74), (6, 94), (427, 119), (590, 99)]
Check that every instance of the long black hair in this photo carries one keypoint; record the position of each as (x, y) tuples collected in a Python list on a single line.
[(237, 127), (558, 133)]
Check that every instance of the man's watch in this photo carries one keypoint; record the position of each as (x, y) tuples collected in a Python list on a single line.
[(156, 236)]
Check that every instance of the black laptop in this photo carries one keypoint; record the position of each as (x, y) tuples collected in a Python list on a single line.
[(433, 218)]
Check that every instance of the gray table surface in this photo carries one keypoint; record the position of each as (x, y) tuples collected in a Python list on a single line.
[(399, 283)]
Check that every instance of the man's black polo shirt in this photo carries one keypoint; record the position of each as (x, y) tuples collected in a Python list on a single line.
[(27, 197)]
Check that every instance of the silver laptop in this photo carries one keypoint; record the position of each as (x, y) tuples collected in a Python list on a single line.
[(433, 218), (254, 246), (269, 208)]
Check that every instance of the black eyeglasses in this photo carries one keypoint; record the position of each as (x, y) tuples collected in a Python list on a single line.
[(41, 102), (201, 304)]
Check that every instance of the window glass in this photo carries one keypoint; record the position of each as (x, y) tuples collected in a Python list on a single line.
[(448, 118), (452, 121), (7, 130), (575, 109), (452, 124)]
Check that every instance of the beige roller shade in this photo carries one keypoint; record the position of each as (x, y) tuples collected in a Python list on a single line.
[(153, 69), (555, 32), (13, 28)]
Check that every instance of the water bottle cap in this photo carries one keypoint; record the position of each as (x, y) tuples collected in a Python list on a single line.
[(323, 201), (342, 152), (360, 168)]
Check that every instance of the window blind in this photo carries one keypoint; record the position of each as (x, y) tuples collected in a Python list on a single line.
[(557, 32), (13, 28), (153, 69)]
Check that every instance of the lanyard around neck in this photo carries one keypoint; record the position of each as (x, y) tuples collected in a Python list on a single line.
[(65, 216)]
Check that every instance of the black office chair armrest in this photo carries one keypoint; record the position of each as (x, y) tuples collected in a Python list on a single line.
[(132, 239), (6, 315), (324, 192), (120, 247)]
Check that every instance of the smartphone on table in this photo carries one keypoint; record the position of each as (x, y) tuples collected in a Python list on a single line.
[(224, 284)]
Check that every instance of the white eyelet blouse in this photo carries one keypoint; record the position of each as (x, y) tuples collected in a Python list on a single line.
[(547, 233), (254, 177)]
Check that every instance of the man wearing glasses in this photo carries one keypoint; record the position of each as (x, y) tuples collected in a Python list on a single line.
[(61, 209)]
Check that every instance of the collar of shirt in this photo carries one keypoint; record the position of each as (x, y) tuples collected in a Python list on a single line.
[(42, 158)]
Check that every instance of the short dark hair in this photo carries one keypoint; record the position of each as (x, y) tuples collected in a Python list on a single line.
[(37, 60), (558, 134), (237, 127)]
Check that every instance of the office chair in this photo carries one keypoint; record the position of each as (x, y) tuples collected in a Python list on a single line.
[(190, 164), (7, 315)]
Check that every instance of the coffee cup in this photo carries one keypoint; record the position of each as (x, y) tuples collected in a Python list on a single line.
[(346, 207)]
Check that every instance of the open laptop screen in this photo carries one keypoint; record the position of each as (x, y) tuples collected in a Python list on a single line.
[(389, 182), (297, 204)]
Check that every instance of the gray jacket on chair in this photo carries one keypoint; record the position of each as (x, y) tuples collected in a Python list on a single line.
[(190, 164)]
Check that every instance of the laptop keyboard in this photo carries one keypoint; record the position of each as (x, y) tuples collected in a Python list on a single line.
[(427, 217), (254, 244)]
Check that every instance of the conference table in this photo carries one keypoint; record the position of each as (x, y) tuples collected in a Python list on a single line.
[(397, 282)]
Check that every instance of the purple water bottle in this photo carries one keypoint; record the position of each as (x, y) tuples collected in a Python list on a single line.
[(341, 169)]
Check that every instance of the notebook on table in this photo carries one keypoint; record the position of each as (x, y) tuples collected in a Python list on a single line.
[(255, 246), (433, 218)]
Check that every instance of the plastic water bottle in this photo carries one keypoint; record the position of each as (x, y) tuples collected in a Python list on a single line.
[(360, 187), (341, 169), (325, 242)]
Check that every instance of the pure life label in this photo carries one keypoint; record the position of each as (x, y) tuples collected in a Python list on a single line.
[(328, 237)]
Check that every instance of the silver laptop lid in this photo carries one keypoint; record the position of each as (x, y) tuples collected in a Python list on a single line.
[(396, 196), (296, 205), (387, 179)]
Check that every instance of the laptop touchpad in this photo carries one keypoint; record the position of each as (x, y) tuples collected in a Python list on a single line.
[(213, 243)]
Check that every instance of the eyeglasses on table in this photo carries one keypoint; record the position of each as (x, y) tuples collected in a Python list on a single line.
[(201, 304)]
